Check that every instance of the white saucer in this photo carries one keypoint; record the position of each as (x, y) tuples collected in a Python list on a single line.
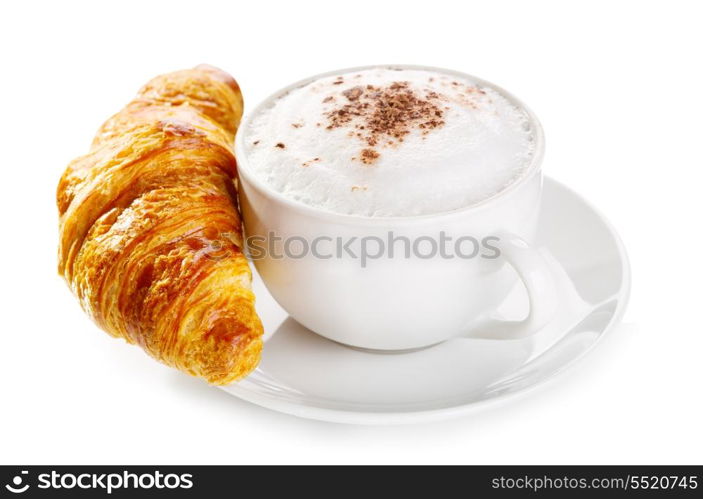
[(306, 375)]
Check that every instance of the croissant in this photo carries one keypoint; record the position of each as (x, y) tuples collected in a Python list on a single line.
[(150, 239)]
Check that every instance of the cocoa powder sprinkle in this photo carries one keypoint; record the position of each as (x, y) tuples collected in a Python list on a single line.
[(353, 93), (368, 156), (281, 145), (386, 114), (309, 162)]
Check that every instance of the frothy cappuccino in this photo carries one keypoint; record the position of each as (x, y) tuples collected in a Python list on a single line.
[(387, 142)]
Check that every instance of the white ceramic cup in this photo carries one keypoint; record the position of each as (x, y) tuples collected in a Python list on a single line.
[(393, 302)]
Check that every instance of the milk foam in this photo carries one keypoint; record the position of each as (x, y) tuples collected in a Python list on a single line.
[(483, 143)]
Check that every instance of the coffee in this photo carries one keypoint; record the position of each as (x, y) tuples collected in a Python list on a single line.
[(388, 142)]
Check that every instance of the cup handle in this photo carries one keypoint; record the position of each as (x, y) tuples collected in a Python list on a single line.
[(538, 278)]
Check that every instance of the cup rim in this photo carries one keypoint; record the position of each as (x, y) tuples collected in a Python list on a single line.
[(242, 168)]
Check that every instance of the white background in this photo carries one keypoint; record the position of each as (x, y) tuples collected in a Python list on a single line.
[(618, 89)]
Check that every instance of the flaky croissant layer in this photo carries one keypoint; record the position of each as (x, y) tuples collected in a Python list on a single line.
[(150, 236)]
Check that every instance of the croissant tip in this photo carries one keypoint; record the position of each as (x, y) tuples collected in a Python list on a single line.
[(220, 74)]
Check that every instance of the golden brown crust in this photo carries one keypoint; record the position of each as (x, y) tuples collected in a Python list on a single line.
[(150, 237)]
